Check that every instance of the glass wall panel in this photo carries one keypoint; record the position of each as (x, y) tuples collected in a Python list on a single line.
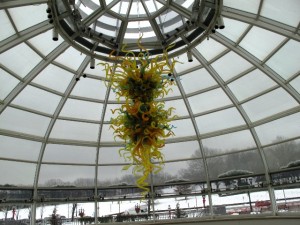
[(210, 49), (189, 170), (250, 84), (90, 88), (108, 134), (99, 69), (241, 203), (238, 183), (251, 7), (23, 56), (174, 92), (233, 34), (290, 177), (183, 63), (223, 68), (287, 200), (16, 148), (286, 127), (280, 155), (82, 109), (66, 175), (115, 176), (182, 128), (65, 194), (71, 58), (19, 195), (284, 12), (25, 122), (180, 108), (261, 42), (109, 155), (296, 84), (54, 77), (6, 28), (7, 84), (209, 100), (69, 154), (228, 143), (197, 80), (34, 98), (16, 173), (285, 61), (109, 111), (113, 97), (248, 160), (219, 120), (180, 150), (269, 104), (44, 42), (21, 18), (64, 129)]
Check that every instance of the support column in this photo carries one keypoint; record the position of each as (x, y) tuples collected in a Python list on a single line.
[(33, 213)]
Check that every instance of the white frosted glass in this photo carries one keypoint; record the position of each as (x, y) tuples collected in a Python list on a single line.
[(6, 29), (82, 109), (44, 42), (283, 11), (197, 80), (180, 108), (17, 173), (24, 59), (260, 42), (54, 77), (112, 175), (286, 127), (228, 143), (269, 104), (285, 62), (245, 160), (137, 9), (71, 58), (99, 69), (17, 148), (184, 64), (208, 101), (109, 114), (233, 34), (250, 84), (225, 67), (69, 175), (75, 130), (110, 155), (247, 6), (210, 48), (27, 16), (296, 84), (180, 150), (219, 120), (108, 134), (37, 99), (174, 92), (7, 84), (153, 7), (69, 154), (24, 122), (182, 128), (90, 88)]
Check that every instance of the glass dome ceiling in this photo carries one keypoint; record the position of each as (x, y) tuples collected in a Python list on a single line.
[(238, 101)]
